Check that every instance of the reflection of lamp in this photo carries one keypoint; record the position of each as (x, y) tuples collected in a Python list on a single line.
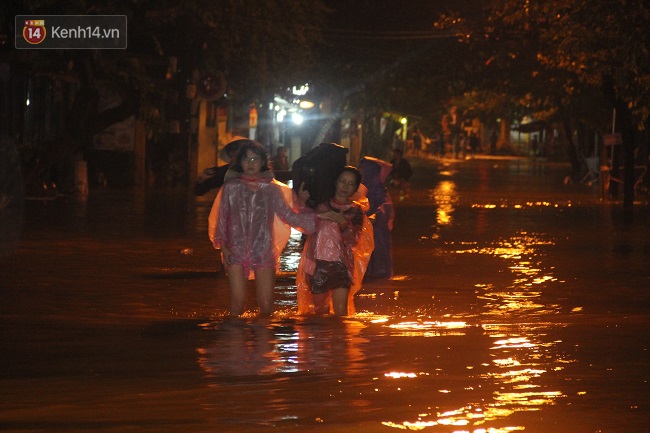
[(296, 118)]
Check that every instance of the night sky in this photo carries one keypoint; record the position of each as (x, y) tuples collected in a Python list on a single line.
[(384, 15)]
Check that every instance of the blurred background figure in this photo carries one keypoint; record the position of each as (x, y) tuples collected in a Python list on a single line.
[(401, 173), (417, 142), (474, 144), (213, 177), (280, 161), (381, 214)]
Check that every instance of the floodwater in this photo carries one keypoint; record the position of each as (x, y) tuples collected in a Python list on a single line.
[(519, 304)]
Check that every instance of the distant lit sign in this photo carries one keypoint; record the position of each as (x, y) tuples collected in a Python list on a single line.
[(612, 139), (300, 91), (252, 116)]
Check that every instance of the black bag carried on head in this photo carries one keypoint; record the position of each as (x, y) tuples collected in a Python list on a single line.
[(318, 169)]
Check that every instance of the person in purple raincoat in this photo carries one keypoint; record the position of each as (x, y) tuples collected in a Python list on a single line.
[(381, 214)]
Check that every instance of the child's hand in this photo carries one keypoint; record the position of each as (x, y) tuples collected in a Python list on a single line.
[(225, 252), (330, 215), (303, 194)]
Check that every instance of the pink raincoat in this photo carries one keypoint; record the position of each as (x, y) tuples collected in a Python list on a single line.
[(253, 219)]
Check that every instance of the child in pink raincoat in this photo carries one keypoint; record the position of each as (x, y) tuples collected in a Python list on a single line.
[(335, 257)]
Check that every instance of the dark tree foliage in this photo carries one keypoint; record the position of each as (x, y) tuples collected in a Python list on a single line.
[(570, 62), (257, 47)]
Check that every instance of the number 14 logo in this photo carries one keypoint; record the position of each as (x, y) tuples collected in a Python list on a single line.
[(34, 31)]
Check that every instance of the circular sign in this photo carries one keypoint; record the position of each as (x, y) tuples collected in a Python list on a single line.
[(212, 87), (34, 31)]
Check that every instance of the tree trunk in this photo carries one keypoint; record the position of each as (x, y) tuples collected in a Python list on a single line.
[(569, 146)]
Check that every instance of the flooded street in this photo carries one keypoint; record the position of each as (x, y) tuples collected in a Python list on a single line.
[(519, 304)]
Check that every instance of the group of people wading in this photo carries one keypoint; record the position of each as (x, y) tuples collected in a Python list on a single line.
[(345, 214)]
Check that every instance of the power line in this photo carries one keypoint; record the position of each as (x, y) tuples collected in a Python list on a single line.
[(388, 35)]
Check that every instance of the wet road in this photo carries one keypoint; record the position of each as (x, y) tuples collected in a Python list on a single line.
[(519, 304)]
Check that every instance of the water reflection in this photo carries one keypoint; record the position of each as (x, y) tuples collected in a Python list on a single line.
[(442, 373), (506, 374), (501, 380), (519, 356), (260, 347), (291, 255), (524, 260), (239, 348), (446, 198)]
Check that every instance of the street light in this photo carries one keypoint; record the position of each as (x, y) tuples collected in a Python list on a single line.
[(306, 105)]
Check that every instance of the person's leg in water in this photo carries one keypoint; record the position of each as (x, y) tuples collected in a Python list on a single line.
[(220, 266), (265, 282), (237, 282), (340, 301), (321, 302)]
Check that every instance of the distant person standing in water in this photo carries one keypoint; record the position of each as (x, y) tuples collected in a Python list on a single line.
[(417, 142), (493, 142), (401, 173), (381, 214)]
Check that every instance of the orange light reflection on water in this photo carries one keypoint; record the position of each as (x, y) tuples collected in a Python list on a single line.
[(290, 258), (446, 197), (522, 251), (428, 328), (519, 354)]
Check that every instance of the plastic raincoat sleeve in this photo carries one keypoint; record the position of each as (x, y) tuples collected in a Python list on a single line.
[(357, 240), (213, 217), (361, 253), (254, 218)]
